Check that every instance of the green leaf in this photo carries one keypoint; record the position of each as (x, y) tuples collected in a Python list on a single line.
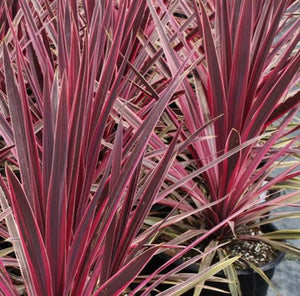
[(283, 234), (231, 275), (197, 279)]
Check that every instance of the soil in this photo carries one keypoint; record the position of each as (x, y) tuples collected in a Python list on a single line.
[(255, 252)]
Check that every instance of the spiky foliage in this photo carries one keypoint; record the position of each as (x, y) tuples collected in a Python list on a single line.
[(92, 94), (76, 204), (74, 77), (245, 77)]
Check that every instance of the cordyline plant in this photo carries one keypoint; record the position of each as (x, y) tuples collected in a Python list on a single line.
[(79, 179), (249, 67), (248, 76), (246, 67)]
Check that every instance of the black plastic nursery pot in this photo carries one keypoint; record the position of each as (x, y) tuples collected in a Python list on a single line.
[(252, 284)]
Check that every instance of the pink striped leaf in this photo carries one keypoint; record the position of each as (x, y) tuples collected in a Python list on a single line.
[(31, 237)]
